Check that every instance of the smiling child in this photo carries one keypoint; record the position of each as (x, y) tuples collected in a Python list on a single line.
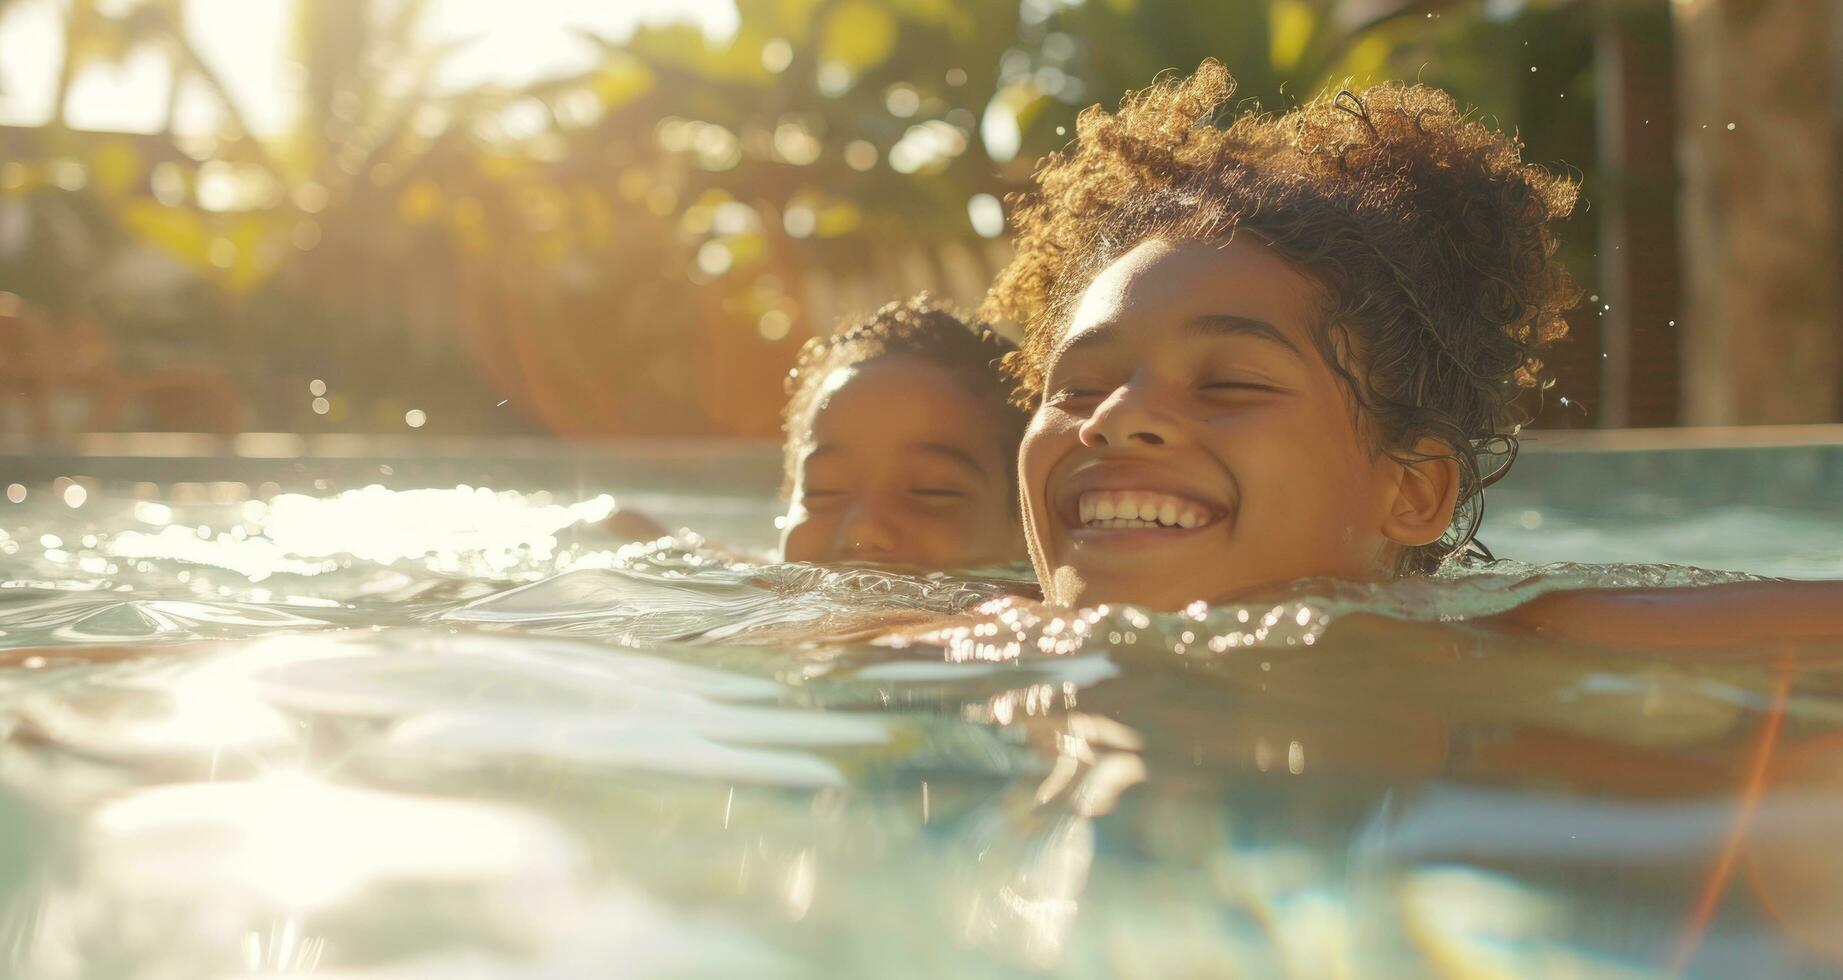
[(1285, 348), (901, 445)]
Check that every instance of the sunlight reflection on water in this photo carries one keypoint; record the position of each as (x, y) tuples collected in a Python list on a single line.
[(443, 733)]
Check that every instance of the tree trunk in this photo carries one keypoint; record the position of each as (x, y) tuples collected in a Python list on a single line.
[(1758, 144)]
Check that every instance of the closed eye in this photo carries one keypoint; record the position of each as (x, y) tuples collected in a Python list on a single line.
[(937, 492), (1239, 386)]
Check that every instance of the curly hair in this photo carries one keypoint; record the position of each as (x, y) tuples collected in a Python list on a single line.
[(1426, 233), (920, 326)]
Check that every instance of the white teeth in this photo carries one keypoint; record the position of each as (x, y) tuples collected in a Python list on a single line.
[(1133, 509)]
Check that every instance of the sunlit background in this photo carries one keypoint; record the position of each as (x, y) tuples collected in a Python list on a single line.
[(318, 652), (590, 219)]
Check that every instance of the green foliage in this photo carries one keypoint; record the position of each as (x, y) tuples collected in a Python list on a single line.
[(641, 247)]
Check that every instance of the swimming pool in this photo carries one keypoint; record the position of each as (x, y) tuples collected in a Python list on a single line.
[(287, 709)]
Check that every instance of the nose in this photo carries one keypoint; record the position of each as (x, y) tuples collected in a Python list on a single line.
[(865, 532), (1130, 415)]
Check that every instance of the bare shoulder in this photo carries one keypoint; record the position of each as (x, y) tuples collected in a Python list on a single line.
[(1734, 612)]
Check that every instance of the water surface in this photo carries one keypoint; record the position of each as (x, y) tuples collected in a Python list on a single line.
[(458, 733)]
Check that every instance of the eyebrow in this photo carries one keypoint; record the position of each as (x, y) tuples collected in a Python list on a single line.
[(1223, 324), (956, 454), (940, 449), (1208, 324)]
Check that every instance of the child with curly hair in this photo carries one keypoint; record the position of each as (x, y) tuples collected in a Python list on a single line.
[(1277, 347), (900, 447), (901, 444)]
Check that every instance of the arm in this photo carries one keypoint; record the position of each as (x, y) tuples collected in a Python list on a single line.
[(1709, 615)]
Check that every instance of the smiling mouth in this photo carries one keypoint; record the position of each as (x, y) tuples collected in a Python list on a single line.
[(1142, 510)]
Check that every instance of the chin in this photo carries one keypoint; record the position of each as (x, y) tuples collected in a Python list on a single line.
[(1077, 590)]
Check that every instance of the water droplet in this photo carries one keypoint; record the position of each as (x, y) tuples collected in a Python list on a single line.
[(16, 492), (1730, 127), (415, 417)]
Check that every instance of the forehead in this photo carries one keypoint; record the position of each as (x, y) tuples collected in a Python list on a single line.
[(890, 403), (1161, 281)]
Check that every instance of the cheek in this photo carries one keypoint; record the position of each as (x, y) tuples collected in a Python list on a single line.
[(1328, 480), (801, 538), (965, 524), (995, 520), (1047, 437)]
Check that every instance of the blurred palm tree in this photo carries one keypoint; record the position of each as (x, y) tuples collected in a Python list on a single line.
[(640, 246)]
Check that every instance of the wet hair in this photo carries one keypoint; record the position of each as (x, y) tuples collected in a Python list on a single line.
[(922, 327), (1426, 233)]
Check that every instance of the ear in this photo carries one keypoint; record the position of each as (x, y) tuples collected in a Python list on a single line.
[(1424, 494)]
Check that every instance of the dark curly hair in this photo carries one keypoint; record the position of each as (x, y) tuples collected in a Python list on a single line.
[(920, 326), (1426, 232)]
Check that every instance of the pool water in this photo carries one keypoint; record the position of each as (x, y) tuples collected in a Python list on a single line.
[(465, 733)]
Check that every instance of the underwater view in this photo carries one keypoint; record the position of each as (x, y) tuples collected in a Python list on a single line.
[(467, 732)]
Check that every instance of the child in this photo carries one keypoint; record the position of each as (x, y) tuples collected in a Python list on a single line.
[(901, 445), (1279, 349)]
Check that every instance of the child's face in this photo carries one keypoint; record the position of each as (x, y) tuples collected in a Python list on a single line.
[(1187, 384), (900, 465)]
